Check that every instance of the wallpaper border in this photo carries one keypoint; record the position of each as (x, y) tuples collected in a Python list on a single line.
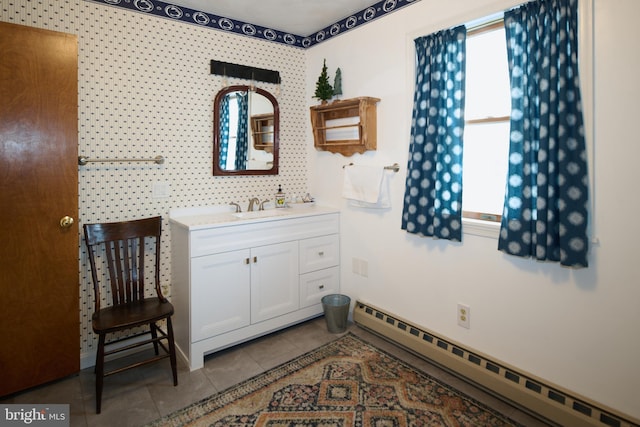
[(221, 23)]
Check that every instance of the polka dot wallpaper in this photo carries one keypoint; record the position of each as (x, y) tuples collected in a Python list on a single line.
[(145, 89)]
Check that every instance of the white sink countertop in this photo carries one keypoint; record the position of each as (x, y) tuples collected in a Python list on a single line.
[(225, 216)]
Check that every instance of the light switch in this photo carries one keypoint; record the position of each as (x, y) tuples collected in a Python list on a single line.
[(160, 190)]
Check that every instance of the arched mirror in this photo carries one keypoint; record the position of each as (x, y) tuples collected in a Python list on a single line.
[(246, 132)]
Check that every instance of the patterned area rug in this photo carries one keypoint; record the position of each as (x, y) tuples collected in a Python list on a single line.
[(347, 382)]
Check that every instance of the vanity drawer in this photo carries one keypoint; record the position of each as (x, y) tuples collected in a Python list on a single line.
[(315, 285), (319, 252)]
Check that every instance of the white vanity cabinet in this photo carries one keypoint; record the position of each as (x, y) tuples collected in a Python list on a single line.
[(236, 279)]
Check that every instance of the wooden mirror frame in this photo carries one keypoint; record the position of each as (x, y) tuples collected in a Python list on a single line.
[(217, 170)]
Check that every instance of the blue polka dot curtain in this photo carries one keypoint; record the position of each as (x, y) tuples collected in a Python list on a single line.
[(433, 194), (546, 201), (224, 131), (242, 136)]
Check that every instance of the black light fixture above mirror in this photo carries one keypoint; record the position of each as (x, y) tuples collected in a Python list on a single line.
[(228, 69)]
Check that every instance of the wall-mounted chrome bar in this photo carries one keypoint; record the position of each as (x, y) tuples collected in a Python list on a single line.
[(83, 160), (394, 167)]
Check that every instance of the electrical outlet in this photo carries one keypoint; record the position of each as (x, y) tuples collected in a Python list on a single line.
[(360, 267), (464, 315)]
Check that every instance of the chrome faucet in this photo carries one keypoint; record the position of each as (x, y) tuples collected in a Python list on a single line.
[(253, 202), (238, 208), (262, 204)]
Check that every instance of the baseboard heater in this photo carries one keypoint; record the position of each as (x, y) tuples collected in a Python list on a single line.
[(532, 393)]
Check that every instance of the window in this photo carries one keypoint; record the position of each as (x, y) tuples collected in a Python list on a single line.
[(467, 165), (486, 132)]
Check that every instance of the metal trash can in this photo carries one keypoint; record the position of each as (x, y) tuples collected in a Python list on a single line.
[(336, 312)]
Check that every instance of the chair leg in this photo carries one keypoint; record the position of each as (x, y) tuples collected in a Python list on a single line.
[(154, 334), (99, 372), (172, 351)]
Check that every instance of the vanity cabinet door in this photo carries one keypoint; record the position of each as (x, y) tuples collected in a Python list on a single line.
[(220, 293), (274, 281)]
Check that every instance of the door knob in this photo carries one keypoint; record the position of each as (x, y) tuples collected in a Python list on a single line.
[(66, 221)]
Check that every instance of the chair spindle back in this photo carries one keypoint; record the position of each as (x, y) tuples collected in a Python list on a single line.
[(124, 256)]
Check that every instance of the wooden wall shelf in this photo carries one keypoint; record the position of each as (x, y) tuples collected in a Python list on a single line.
[(346, 127), (262, 129)]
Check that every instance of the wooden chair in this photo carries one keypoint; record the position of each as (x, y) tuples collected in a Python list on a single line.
[(121, 247)]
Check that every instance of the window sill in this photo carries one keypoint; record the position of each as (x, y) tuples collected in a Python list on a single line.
[(481, 228)]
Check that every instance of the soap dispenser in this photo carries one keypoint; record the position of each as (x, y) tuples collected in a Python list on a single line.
[(280, 201)]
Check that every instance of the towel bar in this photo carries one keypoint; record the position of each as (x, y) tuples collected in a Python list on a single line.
[(83, 160)]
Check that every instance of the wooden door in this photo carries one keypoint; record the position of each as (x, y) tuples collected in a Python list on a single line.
[(39, 311)]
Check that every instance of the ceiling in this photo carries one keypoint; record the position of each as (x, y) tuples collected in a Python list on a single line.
[(299, 17)]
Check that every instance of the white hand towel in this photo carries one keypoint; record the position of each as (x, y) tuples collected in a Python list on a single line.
[(366, 186)]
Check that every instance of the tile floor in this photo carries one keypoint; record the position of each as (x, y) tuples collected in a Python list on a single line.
[(142, 395)]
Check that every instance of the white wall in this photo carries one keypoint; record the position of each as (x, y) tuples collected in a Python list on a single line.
[(577, 329)]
